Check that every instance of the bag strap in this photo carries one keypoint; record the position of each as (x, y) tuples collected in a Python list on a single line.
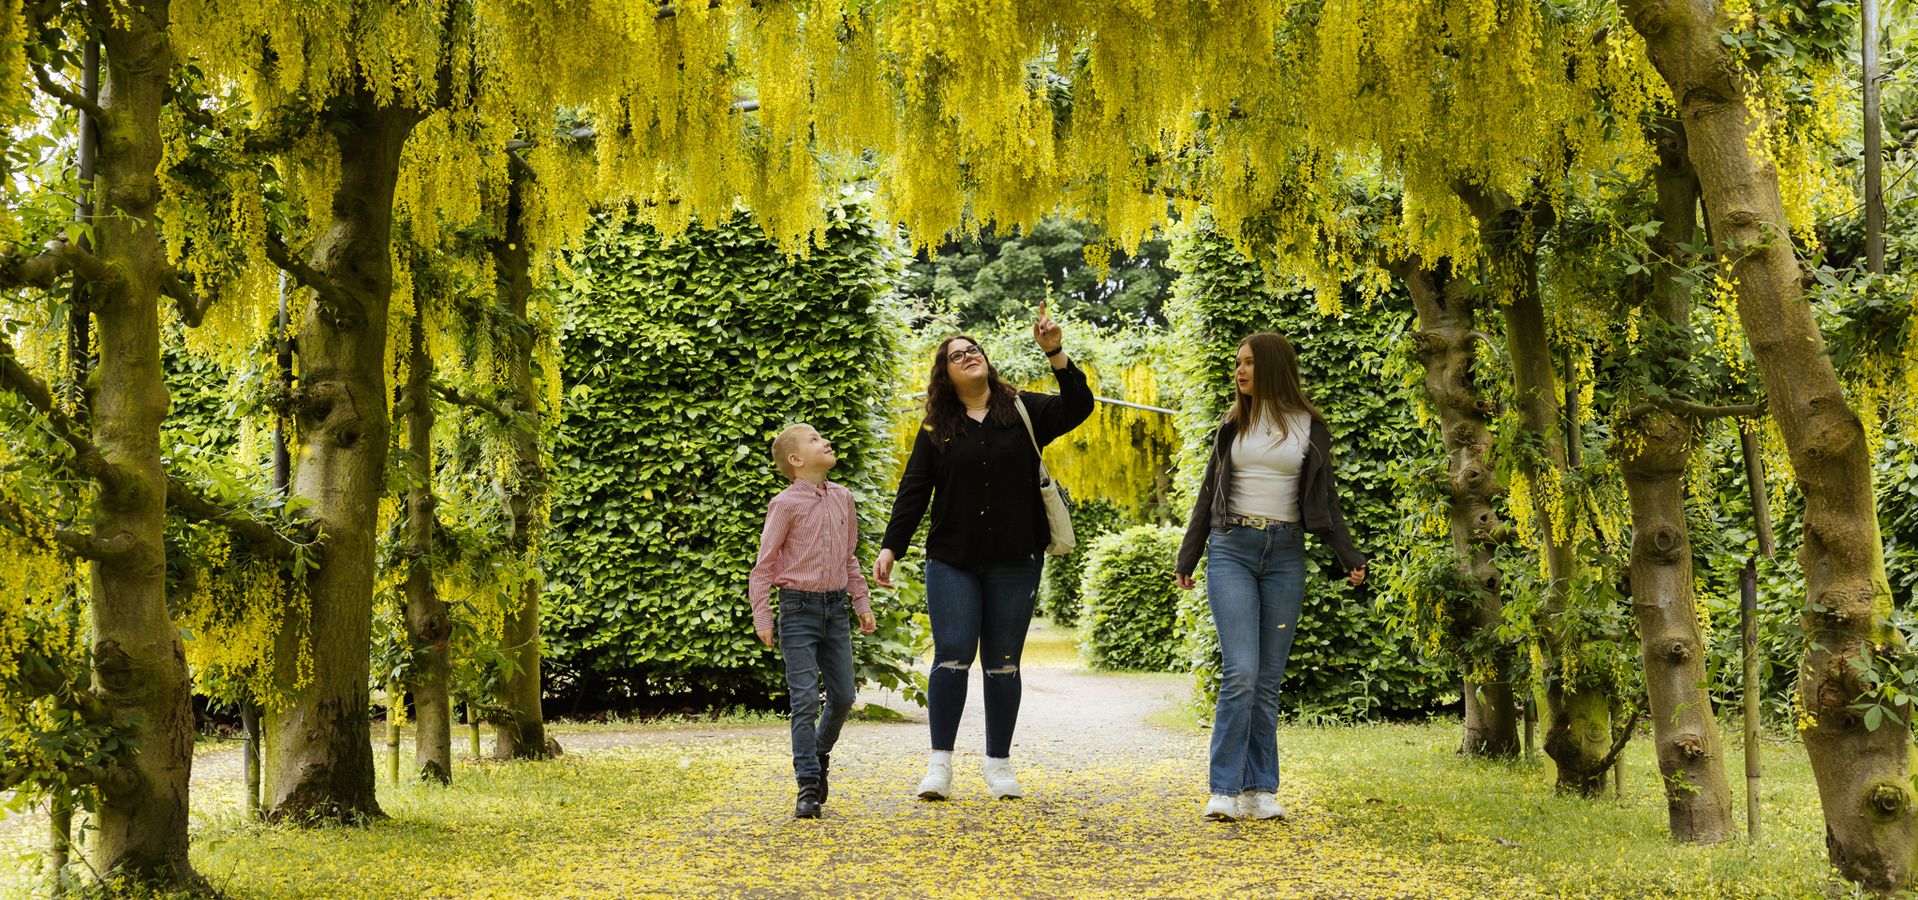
[(1020, 405)]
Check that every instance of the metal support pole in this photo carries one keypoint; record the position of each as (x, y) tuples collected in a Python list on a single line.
[(393, 701), (1748, 618), (250, 751), (1874, 146), (79, 321)]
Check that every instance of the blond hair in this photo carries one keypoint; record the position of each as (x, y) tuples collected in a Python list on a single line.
[(783, 447)]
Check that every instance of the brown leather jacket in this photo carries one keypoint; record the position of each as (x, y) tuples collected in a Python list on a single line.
[(1318, 499)]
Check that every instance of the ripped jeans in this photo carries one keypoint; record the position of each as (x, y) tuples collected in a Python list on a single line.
[(978, 611)]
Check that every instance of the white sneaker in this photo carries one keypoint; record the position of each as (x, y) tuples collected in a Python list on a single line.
[(937, 785), (1000, 782), (1222, 808), (1261, 805)]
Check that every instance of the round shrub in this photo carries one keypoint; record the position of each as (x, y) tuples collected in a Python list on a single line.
[(1131, 604)]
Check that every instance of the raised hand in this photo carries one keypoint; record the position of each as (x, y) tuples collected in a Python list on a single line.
[(1045, 332)]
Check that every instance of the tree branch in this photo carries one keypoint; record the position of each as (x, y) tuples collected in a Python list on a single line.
[(68, 96), (1624, 737), (456, 397), (56, 258), (86, 457), (304, 274), (1689, 409), (256, 536), (108, 777), (192, 306)]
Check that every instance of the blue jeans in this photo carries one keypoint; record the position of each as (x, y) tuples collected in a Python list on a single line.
[(815, 637), (1255, 582), (983, 611)]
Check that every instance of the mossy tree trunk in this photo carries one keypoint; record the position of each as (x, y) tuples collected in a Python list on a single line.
[(1578, 731), (428, 626), (320, 757), (1863, 774), (519, 730), (1446, 347), (1656, 451), (139, 663)]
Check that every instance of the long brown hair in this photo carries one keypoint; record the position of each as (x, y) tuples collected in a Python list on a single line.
[(946, 414), (1276, 389)]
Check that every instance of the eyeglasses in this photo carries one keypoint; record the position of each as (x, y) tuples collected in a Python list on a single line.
[(959, 356)]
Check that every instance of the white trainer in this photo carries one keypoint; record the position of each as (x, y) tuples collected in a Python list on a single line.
[(1222, 808), (1262, 805), (1000, 782), (937, 785)]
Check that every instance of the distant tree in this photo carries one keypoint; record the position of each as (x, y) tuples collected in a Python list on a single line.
[(983, 278)]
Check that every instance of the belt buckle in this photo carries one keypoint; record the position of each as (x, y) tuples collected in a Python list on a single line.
[(1259, 522)]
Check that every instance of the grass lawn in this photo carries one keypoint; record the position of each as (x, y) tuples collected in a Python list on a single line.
[(701, 807)]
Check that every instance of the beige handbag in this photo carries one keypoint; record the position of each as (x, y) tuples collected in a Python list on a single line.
[(1058, 519)]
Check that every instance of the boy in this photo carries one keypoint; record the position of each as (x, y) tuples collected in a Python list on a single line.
[(809, 552)]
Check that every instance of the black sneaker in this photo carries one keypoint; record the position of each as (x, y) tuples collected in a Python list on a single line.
[(808, 805), (825, 786)]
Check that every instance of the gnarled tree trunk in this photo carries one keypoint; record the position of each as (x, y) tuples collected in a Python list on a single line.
[(139, 663), (1656, 451), (519, 731), (320, 755), (1445, 347), (1578, 732), (1871, 822), (427, 624)]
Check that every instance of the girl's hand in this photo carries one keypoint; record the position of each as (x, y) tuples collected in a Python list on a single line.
[(1357, 577), (1185, 581), (882, 569), (1045, 331), (867, 624)]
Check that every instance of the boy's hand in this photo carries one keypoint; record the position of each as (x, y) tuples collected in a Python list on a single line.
[(867, 624), (765, 635)]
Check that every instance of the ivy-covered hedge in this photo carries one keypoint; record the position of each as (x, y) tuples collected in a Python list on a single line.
[(1131, 602), (1348, 660), (681, 361)]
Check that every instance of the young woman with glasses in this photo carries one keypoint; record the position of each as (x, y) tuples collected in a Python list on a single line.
[(973, 463)]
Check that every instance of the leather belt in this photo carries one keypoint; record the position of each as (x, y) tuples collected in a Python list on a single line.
[(1259, 522)]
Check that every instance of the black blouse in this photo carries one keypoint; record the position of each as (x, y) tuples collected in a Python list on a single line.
[(984, 484)]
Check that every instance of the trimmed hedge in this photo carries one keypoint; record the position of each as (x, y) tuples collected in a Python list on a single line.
[(1349, 660), (1131, 602), (1059, 589), (681, 361)]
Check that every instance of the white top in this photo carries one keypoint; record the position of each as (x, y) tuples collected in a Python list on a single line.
[(1265, 469)]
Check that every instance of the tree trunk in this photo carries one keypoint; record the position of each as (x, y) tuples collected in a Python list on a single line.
[(1871, 826), (139, 663), (427, 624), (1656, 451), (320, 754), (1578, 730), (1445, 349), (520, 730)]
